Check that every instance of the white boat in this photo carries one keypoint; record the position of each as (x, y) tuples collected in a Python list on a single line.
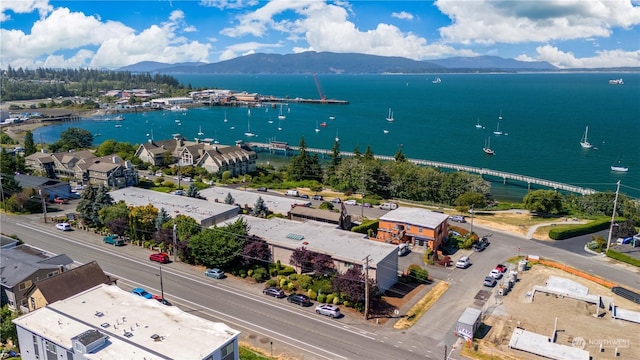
[(119, 118), (385, 131), (618, 166), (584, 142), (225, 116), (200, 133), (478, 124), (616, 82), (337, 138), (317, 128), (118, 125), (437, 80), (332, 117), (498, 132), (177, 108), (249, 133), (281, 116), (177, 120), (390, 116), (248, 112), (487, 147)]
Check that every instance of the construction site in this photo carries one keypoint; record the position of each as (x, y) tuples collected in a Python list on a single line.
[(550, 313)]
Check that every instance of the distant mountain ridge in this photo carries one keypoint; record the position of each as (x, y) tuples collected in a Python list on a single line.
[(341, 63)]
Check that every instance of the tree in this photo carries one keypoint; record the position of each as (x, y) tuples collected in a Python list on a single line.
[(7, 163), (352, 284), (73, 138), (142, 222), (219, 246), (304, 166), (543, 201), (193, 192), (256, 251), (7, 327), (368, 154), (229, 200), (399, 156), (115, 217), (301, 258), (322, 264), (259, 208), (92, 201), (466, 200), (29, 145), (162, 218)]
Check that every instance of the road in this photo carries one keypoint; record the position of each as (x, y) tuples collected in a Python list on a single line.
[(299, 330)]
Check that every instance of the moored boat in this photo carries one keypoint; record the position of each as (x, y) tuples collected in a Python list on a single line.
[(487, 147), (584, 142), (616, 82)]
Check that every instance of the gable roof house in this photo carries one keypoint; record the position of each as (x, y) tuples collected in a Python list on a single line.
[(65, 162), (415, 226), (110, 171), (23, 265), (239, 159), (41, 163), (155, 152), (66, 284), (49, 188)]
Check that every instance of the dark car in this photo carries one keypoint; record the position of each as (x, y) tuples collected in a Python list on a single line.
[(479, 246), (161, 258), (304, 196), (274, 291), (457, 218), (336, 201), (161, 300), (318, 197), (263, 189), (299, 299)]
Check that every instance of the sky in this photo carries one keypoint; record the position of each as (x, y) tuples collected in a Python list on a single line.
[(111, 34)]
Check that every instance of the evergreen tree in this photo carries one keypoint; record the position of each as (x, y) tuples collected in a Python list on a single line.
[(356, 152), (7, 163), (29, 145), (162, 218), (192, 191), (368, 154), (229, 200), (259, 209), (399, 156)]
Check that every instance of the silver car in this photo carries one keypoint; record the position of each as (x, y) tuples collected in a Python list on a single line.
[(328, 310)]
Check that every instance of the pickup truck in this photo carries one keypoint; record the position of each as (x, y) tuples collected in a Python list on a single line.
[(113, 240)]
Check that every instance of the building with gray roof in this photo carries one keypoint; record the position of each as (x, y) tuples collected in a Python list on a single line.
[(276, 204)]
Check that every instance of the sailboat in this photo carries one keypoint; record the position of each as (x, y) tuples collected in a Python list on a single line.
[(248, 112), (437, 80), (584, 142), (317, 128), (618, 166), (390, 116), (225, 116), (487, 147), (337, 138), (498, 132), (200, 133), (249, 133), (478, 126), (281, 116)]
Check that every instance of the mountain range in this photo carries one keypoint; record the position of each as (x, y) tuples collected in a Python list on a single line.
[(341, 63)]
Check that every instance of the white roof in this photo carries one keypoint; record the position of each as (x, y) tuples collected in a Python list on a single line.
[(183, 335), (275, 204), (320, 237), (416, 217), (174, 204)]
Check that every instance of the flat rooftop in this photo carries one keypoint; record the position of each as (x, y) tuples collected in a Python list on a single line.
[(541, 345), (113, 311), (198, 209), (415, 216), (320, 237), (275, 203)]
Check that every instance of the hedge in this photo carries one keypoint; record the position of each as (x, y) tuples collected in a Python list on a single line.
[(623, 257), (569, 231), (366, 226)]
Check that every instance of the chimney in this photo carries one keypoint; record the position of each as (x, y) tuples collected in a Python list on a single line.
[(60, 269)]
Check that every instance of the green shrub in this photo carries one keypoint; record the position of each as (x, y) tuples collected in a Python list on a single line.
[(322, 298), (330, 298), (304, 281), (418, 274), (336, 299), (347, 303), (569, 231), (257, 277), (284, 283), (293, 276), (366, 226), (623, 257), (250, 272), (292, 287), (312, 294), (271, 282), (287, 270), (322, 286)]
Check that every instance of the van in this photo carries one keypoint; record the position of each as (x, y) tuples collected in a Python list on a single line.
[(292, 193), (389, 206), (403, 250)]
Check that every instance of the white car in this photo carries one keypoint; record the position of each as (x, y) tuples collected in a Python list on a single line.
[(351, 202), (463, 262), (328, 310), (496, 274), (63, 226)]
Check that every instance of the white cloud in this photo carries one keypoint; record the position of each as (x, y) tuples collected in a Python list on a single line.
[(23, 7), (402, 15), (247, 48), (603, 59), (488, 22), (228, 4)]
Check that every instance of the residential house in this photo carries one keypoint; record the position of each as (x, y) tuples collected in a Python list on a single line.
[(414, 226), (159, 153), (48, 188), (23, 265), (108, 323), (66, 284), (238, 160), (41, 163)]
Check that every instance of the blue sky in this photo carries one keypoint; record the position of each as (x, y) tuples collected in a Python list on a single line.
[(111, 34)]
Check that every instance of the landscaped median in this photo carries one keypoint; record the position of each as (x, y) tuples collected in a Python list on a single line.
[(422, 306)]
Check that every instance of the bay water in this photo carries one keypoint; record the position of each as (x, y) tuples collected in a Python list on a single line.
[(544, 117)]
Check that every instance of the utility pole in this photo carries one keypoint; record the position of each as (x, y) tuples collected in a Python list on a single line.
[(161, 287), (613, 216), (44, 205), (472, 213), (175, 250), (362, 205), (366, 287)]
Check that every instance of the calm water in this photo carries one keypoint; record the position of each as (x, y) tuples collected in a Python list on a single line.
[(543, 119)]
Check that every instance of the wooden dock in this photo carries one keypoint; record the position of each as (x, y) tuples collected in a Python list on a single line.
[(276, 147)]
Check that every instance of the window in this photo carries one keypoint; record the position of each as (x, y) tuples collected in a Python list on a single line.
[(227, 352), (420, 229), (51, 347), (408, 227), (24, 285)]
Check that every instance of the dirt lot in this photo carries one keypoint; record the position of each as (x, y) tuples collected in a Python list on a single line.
[(575, 319)]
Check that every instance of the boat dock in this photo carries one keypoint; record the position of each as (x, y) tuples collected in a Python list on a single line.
[(278, 100), (278, 146)]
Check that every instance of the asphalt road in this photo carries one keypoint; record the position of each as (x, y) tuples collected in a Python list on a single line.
[(299, 330)]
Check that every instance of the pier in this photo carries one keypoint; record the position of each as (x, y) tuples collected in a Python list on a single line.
[(277, 146)]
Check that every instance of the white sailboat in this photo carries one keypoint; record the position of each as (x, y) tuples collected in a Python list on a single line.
[(390, 116), (498, 132), (337, 138), (200, 133), (317, 128), (487, 147), (385, 131), (225, 116), (437, 80), (584, 142), (281, 116), (248, 112), (478, 126), (249, 133)]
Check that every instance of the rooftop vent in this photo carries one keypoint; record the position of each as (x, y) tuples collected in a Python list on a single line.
[(99, 314), (128, 334), (105, 325), (295, 236)]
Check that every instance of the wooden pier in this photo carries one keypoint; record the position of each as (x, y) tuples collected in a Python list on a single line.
[(282, 147)]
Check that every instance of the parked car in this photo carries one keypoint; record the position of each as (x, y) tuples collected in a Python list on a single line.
[(463, 262), (318, 197), (389, 206), (496, 274), (336, 201), (214, 273), (328, 310), (489, 281), (142, 292), (274, 291), (351, 202), (480, 246), (178, 192), (304, 196), (367, 205), (161, 300), (113, 240), (59, 200), (160, 257), (403, 250), (186, 178), (292, 193), (457, 218), (502, 268), (63, 226), (263, 189), (299, 299)]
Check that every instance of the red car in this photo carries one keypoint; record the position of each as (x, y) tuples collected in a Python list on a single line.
[(161, 258), (501, 268)]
